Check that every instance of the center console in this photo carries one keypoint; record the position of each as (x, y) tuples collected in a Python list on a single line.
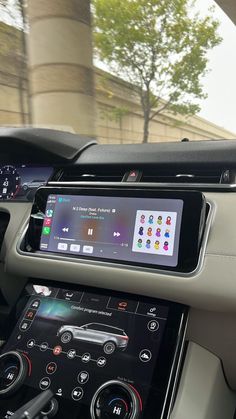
[(94, 353), (102, 354)]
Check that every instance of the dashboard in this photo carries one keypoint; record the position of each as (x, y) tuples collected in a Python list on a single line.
[(117, 295)]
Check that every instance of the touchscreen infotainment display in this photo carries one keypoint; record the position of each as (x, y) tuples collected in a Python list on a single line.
[(138, 230), (76, 340)]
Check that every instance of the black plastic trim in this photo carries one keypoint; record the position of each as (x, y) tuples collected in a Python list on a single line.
[(219, 153), (53, 146)]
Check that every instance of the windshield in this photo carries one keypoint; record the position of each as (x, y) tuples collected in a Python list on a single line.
[(123, 71)]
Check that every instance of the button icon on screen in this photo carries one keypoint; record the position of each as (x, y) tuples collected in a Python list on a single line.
[(88, 249), (51, 368), (86, 357), (31, 343), (122, 305), (65, 229), (43, 246), (90, 231), (71, 354), (25, 325), (35, 304), (43, 346), (83, 377), (62, 246), (30, 314), (101, 362), (77, 393), (45, 383), (59, 392), (57, 350), (116, 234), (75, 247), (46, 231), (145, 355), (153, 326), (153, 310), (49, 213)]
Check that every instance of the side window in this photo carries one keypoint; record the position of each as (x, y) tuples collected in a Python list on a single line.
[(94, 326), (108, 329), (90, 326)]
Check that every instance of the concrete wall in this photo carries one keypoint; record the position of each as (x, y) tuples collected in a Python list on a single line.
[(119, 116), (13, 96), (61, 64)]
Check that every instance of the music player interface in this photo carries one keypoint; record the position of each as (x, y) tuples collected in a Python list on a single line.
[(142, 230)]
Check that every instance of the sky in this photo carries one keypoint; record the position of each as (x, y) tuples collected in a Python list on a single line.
[(220, 83)]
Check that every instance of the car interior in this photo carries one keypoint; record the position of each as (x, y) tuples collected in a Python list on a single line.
[(117, 284)]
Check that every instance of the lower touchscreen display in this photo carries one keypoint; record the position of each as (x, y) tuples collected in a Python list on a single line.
[(138, 230), (75, 341)]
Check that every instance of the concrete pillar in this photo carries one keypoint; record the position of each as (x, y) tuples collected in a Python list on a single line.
[(60, 64)]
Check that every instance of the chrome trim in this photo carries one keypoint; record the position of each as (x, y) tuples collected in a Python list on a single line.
[(199, 186), (11, 387), (67, 258), (53, 407), (185, 175), (175, 369), (135, 411)]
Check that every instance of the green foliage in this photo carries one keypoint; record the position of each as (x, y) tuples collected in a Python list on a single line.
[(11, 24), (10, 41), (112, 113), (160, 46), (115, 113)]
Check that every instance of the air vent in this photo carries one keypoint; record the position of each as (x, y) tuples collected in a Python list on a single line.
[(87, 175), (188, 176), (150, 175)]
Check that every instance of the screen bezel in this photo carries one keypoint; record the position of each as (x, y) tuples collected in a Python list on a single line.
[(194, 213)]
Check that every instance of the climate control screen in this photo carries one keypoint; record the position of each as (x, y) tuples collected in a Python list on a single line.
[(75, 341)]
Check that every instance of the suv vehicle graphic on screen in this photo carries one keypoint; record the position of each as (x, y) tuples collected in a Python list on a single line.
[(109, 337)]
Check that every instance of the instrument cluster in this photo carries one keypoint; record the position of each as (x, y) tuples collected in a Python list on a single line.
[(21, 182)]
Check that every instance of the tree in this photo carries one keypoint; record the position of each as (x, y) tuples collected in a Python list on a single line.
[(160, 46)]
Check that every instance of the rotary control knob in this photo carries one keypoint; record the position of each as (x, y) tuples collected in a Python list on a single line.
[(14, 368), (116, 399)]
